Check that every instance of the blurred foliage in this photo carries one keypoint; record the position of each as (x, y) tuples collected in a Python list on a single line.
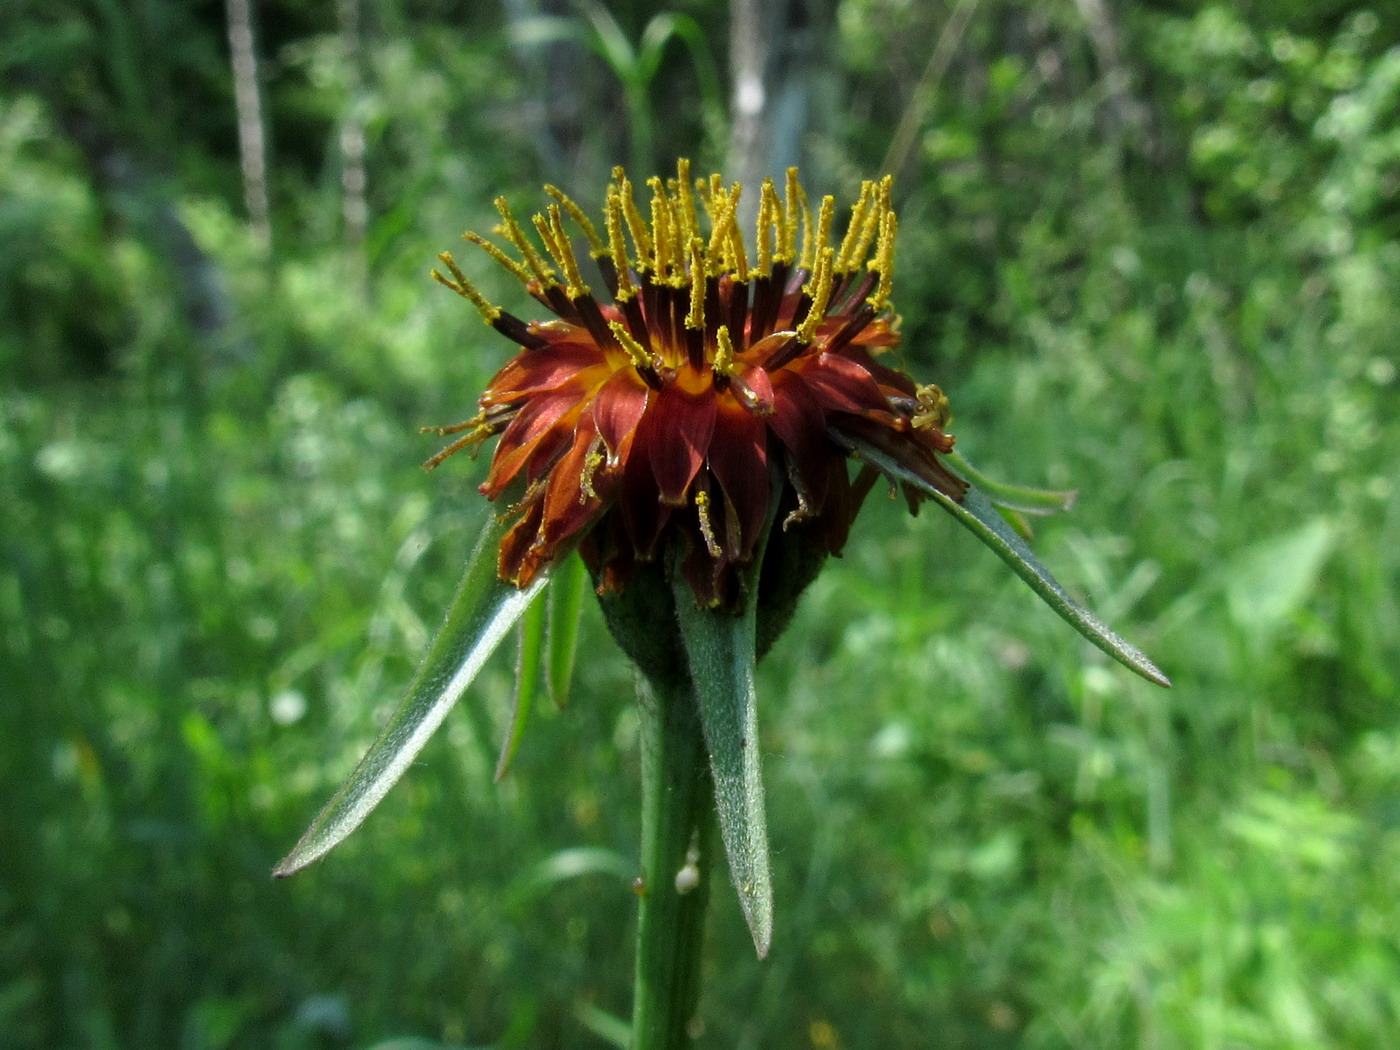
[(1150, 251)]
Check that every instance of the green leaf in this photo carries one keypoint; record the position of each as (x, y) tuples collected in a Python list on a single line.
[(482, 611), (527, 682), (977, 514), (566, 594), (1020, 498), (720, 649)]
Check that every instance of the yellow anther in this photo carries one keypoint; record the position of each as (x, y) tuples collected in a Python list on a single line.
[(562, 248), (510, 229), (819, 288), (859, 213), (696, 317), (617, 247), (466, 289), (596, 247), (516, 270), (702, 505), (718, 256), (723, 364), (770, 224), (883, 263), (874, 223), (685, 200), (812, 246), (663, 228), (934, 411), (794, 203), (636, 225), (635, 350)]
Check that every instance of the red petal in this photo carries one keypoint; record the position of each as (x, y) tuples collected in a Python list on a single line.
[(739, 461), (679, 439), (800, 424), (617, 409), (547, 368), (524, 439), (842, 385)]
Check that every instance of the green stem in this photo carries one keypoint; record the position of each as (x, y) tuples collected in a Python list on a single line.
[(677, 817)]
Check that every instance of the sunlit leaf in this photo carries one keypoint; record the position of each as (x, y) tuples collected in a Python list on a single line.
[(720, 649), (978, 515), (527, 681), (482, 611)]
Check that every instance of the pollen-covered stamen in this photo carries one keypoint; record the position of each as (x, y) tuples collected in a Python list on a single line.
[(685, 202), (702, 507), (723, 364), (812, 243), (856, 227), (556, 239), (596, 247), (636, 225), (770, 221), (511, 231), (480, 427), (935, 413), (617, 246), (641, 359), (718, 255), (668, 264), (468, 291), (695, 319), (819, 289), (883, 263)]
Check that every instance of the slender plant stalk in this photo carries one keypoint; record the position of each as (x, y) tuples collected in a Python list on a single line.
[(677, 819)]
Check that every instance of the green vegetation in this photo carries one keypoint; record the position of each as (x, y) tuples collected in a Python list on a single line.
[(1155, 259)]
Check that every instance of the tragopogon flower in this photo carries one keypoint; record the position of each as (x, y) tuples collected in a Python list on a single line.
[(710, 388)]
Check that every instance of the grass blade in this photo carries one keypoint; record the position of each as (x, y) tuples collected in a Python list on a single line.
[(977, 514), (482, 611)]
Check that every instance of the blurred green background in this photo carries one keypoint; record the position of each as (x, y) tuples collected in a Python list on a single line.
[(1150, 250)]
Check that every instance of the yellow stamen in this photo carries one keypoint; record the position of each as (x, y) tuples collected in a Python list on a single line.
[(685, 202), (696, 317), (463, 287), (794, 200), (874, 222), (516, 270), (635, 350), (856, 227), (718, 256), (596, 247), (562, 248), (636, 225), (883, 263), (723, 364), (510, 229), (663, 227), (813, 245), (702, 505), (770, 221), (618, 248), (935, 412), (819, 288)]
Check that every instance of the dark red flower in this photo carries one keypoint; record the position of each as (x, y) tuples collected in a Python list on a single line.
[(708, 389)]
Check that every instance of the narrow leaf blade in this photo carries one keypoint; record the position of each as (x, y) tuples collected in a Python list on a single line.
[(527, 681), (977, 514), (720, 649), (566, 595), (482, 611)]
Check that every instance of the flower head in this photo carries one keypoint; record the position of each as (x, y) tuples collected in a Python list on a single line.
[(709, 390)]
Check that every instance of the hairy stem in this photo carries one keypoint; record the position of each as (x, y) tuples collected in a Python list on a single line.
[(677, 818)]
